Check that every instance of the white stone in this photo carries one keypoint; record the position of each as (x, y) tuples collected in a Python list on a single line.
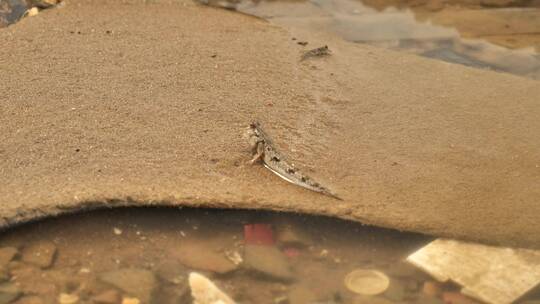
[(205, 291)]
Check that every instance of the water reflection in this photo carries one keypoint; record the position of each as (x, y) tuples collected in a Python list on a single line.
[(477, 34)]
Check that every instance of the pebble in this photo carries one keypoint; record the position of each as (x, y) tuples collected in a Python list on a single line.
[(117, 231), (139, 283), (204, 257), (110, 296), (267, 260), (66, 298), (432, 289), (7, 254), (32, 12), (40, 254), (8, 293), (205, 291), (292, 236), (127, 300)]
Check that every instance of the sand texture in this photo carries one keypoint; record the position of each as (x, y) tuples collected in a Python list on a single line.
[(107, 103)]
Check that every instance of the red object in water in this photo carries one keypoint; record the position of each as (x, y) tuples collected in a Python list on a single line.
[(258, 234), (291, 252)]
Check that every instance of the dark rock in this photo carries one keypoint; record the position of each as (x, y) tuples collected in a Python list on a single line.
[(11, 11)]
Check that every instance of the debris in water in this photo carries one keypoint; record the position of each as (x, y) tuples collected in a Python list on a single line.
[(318, 52), (495, 275), (367, 282), (117, 231), (234, 257), (264, 150), (205, 291), (258, 234)]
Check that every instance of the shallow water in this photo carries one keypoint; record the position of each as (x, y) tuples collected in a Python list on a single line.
[(148, 253), (497, 35)]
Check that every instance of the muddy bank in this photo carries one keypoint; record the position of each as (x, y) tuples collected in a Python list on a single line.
[(131, 103)]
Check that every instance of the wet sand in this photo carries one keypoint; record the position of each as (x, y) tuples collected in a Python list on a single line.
[(128, 103)]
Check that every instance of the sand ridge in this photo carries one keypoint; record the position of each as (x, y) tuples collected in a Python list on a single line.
[(113, 103)]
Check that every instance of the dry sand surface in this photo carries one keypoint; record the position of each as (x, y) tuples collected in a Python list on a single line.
[(108, 103)]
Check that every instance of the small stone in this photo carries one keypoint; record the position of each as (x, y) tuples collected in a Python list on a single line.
[(117, 231), (8, 293), (66, 298), (7, 254), (395, 291), (432, 289), (281, 300), (205, 291), (32, 12), (204, 257), (135, 282), (110, 296), (41, 254), (269, 261), (293, 236), (127, 300), (234, 257)]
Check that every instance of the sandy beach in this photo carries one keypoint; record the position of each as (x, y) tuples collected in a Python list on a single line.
[(109, 103)]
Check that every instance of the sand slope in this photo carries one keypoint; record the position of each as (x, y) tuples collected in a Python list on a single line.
[(131, 103)]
